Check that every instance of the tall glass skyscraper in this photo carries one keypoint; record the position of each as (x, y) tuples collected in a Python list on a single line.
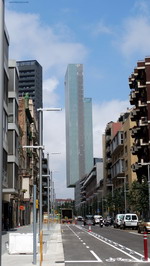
[(78, 126)]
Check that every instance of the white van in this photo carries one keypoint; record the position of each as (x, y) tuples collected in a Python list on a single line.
[(118, 219), (130, 220)]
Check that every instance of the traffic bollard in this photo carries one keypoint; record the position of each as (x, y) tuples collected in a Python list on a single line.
[(145, 246), (89, 228)]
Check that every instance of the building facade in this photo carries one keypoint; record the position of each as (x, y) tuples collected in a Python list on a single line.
[(139, 83), (79, 152), (30, 81)]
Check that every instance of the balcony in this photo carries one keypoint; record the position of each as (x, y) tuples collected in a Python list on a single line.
[(135, 114), (117, 142), (144, 142), (142, 103), (118, 168), (135, 131), (132, 97), (143, 121), (136, 167), (141, 84)]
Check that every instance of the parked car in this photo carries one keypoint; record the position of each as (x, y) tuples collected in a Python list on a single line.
[(97, 218), (118, 219), (89, 220), (144, 226), (79, 218), (130, 220)]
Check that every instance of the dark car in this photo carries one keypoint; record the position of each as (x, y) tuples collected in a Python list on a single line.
[(89, 220)]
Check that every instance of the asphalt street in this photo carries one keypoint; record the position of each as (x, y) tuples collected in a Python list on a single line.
[(102, 246)]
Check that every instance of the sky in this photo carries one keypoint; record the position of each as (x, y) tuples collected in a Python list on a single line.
[(107, 37)]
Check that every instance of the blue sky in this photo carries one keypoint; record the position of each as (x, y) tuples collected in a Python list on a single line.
[(108, 37)]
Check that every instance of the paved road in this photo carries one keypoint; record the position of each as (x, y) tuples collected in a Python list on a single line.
[(107, 246)]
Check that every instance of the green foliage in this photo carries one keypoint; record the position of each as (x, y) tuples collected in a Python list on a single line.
[(138, 197)]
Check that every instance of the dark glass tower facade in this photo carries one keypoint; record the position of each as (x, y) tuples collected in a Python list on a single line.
[(30, 81)]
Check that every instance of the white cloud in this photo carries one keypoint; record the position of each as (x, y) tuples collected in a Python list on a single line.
[(102, 114), (54, 141), (30, 39), (50, 96), (136, 36), (101, 28)]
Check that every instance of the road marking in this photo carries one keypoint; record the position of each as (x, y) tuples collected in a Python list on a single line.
[(81, 261), (115, 245), (87, 246), (94, 254)]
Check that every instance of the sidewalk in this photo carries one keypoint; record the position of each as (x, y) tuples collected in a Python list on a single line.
[(52, 250)]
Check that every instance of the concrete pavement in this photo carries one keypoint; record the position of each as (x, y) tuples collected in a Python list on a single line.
[(52, 250)]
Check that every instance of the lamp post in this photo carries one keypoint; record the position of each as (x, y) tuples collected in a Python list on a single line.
[(125, 192), (1, 110), (34, 219), (41, 110)]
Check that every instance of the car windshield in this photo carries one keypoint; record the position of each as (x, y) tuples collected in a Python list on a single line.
[(89, 217)]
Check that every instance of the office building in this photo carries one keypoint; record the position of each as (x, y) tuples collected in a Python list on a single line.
[(30, 81), (79, 138)]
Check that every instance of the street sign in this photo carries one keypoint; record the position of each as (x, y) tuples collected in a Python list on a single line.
[(22, 208), (37, 204)]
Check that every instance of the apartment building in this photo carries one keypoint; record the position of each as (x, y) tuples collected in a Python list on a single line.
[(118, 156), (139, 83), (28, 158)]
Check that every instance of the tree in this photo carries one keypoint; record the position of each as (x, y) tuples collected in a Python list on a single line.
[(138, 197)]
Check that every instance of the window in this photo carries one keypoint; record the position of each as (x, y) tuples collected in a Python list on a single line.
[(134, 217), (10, 110), (128, 217), (125, 135), (10, 142)]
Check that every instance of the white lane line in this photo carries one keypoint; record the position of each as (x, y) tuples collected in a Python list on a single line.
[(112, 244), (94, 254), (81, 261), (87, 246), (84, 243), (116, 248)]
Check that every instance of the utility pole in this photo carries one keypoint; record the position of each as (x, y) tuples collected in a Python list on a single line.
[(1, 111)]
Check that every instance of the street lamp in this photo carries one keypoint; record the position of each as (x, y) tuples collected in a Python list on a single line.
[(125, 195), (41, 110), (34, 208)]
